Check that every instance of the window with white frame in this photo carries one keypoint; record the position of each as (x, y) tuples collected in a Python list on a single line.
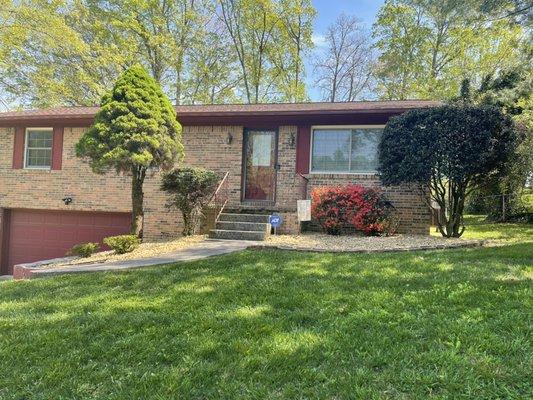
[(38, 151), (345, 150)]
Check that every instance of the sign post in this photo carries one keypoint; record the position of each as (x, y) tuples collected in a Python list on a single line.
[(275, 221)]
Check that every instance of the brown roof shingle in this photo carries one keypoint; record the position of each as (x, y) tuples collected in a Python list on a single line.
[(271, 108), (250, 115)]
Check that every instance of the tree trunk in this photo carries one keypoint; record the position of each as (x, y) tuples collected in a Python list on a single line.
[(137, 199)]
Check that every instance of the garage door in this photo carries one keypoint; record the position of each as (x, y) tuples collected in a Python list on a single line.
[(36, 235)]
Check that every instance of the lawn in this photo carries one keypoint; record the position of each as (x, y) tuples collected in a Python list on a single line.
[(504, 233), (450, 324)]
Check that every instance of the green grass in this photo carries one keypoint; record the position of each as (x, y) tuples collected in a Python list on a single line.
[(477, 228), (277, 325)]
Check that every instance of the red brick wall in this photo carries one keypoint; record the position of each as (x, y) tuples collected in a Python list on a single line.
[(205, 146)]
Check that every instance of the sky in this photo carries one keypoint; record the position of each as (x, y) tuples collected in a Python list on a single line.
[(327, 12)]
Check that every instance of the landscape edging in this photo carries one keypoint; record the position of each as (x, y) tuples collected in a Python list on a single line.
[(480, 243)]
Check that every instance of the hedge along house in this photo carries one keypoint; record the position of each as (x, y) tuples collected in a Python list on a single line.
[(270, 154)]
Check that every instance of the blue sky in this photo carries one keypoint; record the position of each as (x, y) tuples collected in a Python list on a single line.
[(327, 12)]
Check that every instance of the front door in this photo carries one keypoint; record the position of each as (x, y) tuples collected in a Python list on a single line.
[(260, 165)]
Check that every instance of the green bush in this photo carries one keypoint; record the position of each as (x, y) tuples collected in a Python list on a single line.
[(189, 190), (446, 152), (84, 249), (123, 243)]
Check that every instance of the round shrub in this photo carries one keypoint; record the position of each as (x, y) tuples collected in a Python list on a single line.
[(367, 210), (84, 249), (123, 243)]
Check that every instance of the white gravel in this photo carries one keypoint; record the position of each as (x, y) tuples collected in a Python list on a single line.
[(323, 242), (143, 251), (306, 241)]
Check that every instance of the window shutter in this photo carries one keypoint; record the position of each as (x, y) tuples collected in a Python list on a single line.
[(57, 147), (18, 148), (303, 149)]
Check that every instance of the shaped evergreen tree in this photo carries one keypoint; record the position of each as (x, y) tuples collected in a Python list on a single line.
[(134, 130)]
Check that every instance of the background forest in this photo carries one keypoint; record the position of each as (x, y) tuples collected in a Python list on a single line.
[(67, 52)]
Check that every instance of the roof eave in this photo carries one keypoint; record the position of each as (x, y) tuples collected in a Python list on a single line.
[(195, 118)]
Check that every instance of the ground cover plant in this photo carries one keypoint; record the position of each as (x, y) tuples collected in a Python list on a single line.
[(278, 325)]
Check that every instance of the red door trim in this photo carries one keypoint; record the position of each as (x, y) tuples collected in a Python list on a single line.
[(303, 149), (57, 147), (246, 132), (18, 147)]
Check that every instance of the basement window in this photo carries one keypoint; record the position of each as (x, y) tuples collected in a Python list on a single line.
[(38, 149)]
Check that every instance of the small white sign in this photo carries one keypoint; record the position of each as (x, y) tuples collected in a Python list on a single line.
[(304, 210)]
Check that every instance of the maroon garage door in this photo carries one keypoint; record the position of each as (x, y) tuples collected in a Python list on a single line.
[(39, 235)]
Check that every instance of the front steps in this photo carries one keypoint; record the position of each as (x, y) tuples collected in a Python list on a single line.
[(237, 226)]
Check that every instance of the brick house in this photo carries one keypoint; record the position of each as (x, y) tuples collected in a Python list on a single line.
[(274, 153)]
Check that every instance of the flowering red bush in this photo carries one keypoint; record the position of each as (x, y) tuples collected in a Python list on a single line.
[(365, 209)]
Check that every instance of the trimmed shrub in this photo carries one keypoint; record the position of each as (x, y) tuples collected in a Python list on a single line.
[(83, 249), (123, 243), (445, 152), (189, 190), (365, 209)]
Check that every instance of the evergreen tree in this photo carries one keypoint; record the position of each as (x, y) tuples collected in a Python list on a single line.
[(134, 130)]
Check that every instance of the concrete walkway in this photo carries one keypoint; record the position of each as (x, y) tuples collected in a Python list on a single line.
[(204, 249)]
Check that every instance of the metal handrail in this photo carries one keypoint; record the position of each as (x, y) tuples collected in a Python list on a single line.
[(219, 187), (216, 203), (303, 188)]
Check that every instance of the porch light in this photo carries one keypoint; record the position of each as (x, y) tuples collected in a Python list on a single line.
[(292, 140), (229, 138)]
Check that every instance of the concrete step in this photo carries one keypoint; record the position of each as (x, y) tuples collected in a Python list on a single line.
[(243, 226), (234, 217), (237, 235)]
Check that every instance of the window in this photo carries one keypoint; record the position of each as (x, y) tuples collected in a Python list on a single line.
[(38, 152), (345, 150)]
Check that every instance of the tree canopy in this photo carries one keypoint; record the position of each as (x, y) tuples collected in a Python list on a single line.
[(200, 51), (427, 46)]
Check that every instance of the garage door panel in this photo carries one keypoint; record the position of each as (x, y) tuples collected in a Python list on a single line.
[(36, 235)]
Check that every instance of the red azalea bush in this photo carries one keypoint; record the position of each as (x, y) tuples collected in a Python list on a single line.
[(365, 209)]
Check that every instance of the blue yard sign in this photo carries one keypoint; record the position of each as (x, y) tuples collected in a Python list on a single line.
[(275, 221)]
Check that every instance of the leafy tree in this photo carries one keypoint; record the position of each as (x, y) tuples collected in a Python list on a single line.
[(512, 92), (189, 190), (30, 30), (69, 52), (520, 10), (268, 45), (296, 26), (428, 46), (446, 151), (345, 71), (134, 130)]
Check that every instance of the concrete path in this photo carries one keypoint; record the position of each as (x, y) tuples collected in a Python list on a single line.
[(205, 249)]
